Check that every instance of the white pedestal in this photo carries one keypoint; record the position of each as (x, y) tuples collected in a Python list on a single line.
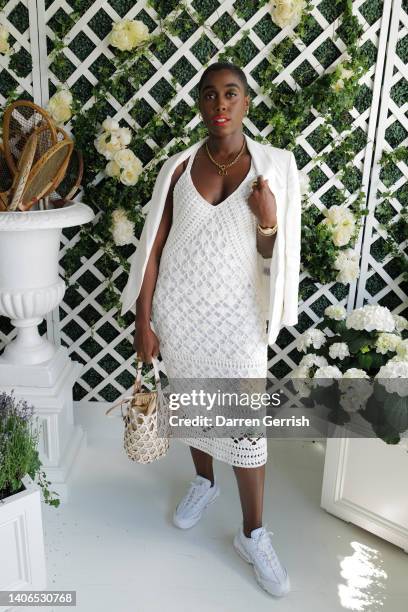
[(22, 557), (365, 483), (48, 387)]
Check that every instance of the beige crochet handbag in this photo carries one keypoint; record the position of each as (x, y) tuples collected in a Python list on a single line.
[(145, 415)]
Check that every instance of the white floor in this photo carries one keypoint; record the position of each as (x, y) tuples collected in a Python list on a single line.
[(114, 543)]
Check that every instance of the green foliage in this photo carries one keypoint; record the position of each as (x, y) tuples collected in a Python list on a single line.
[(289, 112)]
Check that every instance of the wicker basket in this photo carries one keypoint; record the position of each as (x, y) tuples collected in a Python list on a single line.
[(144, 414)]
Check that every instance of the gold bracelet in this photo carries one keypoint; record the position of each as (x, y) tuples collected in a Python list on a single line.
[(267, 231)]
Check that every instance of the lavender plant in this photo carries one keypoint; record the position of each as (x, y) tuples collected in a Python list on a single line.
[(19, 435)]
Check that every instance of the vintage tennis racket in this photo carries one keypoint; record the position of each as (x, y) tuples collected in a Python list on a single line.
[(71, 182), (6, 180), (46, 174), (22, 118), (23, 171)]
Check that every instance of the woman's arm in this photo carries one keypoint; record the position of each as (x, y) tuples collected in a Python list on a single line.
[(146, 343)]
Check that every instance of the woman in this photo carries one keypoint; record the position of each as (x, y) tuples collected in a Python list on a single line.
[(200, 277)]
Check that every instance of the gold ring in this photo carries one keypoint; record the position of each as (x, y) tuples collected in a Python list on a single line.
[(255, 182)]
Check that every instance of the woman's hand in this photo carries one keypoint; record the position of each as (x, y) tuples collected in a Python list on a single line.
[(262, 203), (145, 343)]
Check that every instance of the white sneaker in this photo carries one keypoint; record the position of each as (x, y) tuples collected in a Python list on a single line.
[(200, 495), (258, 550)]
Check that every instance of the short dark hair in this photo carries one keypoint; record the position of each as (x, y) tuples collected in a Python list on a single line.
[(225, 66)]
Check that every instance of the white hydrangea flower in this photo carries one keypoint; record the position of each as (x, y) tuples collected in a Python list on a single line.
[(301, 381), (387, 342), (287, 12), (347, 264), (401, 323), (4, 44), (311, 337), (394, 377), (336, 312), (59, 106), (339, 350), (354, 393), (122, 228), (127, 34), (324, 376), (355, 373), (402, 350), (311, 359), (371, 317)]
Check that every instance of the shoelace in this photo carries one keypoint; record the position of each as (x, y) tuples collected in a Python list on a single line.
[(266, 550), (193, 494)]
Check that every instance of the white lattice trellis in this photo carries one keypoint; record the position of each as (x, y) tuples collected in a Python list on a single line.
[(92, 334)]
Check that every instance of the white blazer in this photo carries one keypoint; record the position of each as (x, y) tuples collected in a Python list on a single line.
[(281, 285)]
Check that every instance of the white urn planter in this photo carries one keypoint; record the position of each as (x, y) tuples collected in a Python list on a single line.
[(365, 483), (31, 365), (30, 286), (22, 557)]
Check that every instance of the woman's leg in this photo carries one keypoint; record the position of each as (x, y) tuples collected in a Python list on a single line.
[(251, 491), (203, 463)]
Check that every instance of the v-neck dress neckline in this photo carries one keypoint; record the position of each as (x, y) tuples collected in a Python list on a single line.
[(236, 190)]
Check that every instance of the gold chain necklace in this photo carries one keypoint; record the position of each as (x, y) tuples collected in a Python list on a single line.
[(222, 168)]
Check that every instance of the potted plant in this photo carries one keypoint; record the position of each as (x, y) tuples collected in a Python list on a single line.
[(359, 368), (21, 483)]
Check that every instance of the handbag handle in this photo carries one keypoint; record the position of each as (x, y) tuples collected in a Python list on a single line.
[(138, 379), (138, 384)]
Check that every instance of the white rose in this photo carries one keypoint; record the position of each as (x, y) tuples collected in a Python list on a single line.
[(107, 144), (138, 31), (345, 73), (125, 136), (387, 342), (371, 317), (120, 37), (130, 174), (110, 125), (4, 44), (112, 169), (287, 12), (339, 350), (125, 158), (126, 34), (347, 264), (59, 106), (338, 85), (122, 228), (336, 312)]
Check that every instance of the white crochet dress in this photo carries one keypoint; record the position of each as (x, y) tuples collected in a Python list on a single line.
[(207, 309)]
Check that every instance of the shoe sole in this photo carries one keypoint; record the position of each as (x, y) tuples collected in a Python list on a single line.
[(261, 581), (188, 524)]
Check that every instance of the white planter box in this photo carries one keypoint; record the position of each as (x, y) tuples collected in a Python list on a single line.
[(22, 558), (365, 482)]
